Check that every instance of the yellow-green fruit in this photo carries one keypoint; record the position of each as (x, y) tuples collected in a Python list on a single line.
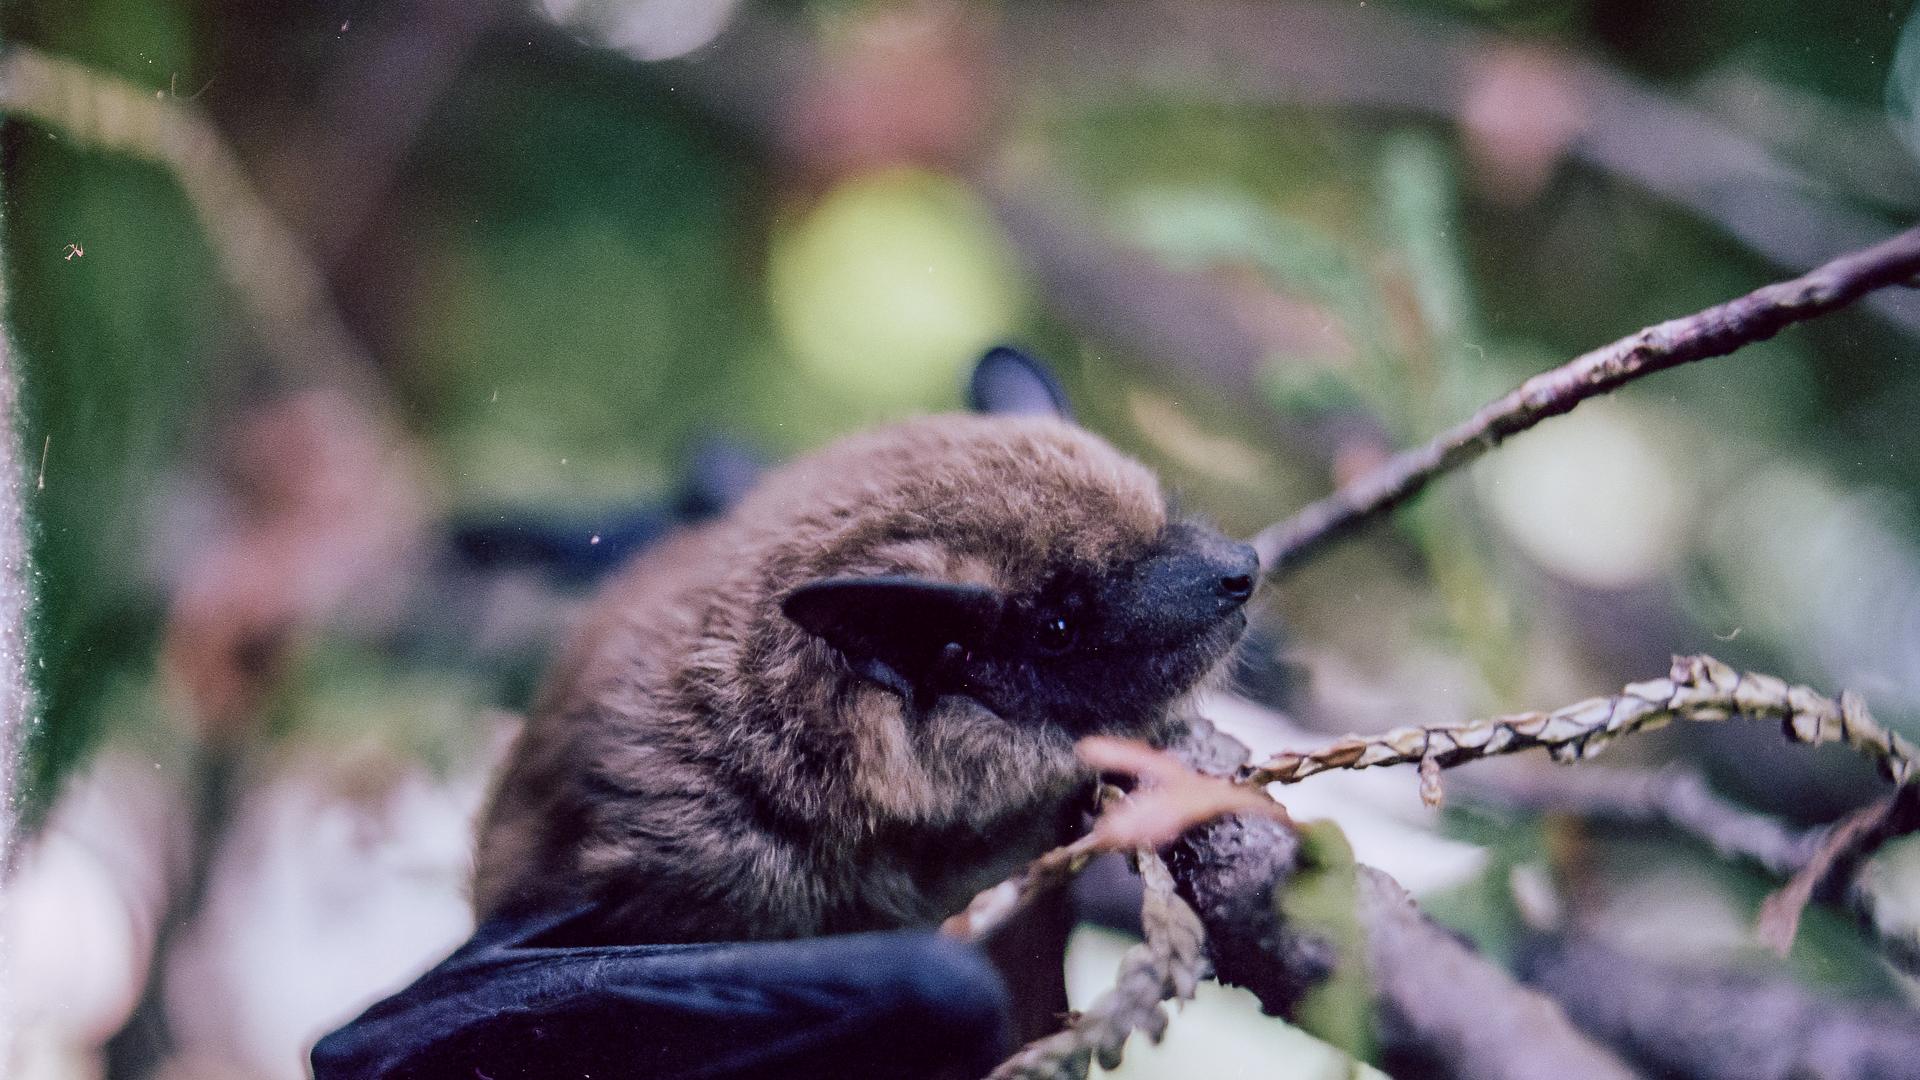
[(891, 285)]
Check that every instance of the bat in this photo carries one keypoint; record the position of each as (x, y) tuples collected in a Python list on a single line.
[(785, 743)]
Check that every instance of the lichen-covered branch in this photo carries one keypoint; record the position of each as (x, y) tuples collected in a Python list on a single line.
[(1448, 1009), (1698, 688), (1444, 1010), (1716, 331), (1167, 965)]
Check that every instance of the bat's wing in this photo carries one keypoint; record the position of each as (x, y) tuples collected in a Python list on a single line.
[(583, 550), (513, 1005)]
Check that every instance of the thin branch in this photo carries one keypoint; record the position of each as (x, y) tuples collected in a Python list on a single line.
[(1716, 331), (1167, 965), (1699, 688), (1673, 798), (1844, 848), (994, 906)]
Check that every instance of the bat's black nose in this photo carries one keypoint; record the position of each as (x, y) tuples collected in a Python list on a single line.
[(1240, 573)]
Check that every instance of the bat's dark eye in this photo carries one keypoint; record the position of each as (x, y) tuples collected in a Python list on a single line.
[(1055, 635)]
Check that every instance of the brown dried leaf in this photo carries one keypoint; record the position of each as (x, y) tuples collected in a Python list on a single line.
[(1852, 838)]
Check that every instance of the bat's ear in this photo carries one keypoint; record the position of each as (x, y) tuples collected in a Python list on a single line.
[(896, 630), (1007, 382)]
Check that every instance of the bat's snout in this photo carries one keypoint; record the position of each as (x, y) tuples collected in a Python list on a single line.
[(1236, 573), (1196, 581)]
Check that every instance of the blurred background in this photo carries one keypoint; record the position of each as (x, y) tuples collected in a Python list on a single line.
[(357, 338)]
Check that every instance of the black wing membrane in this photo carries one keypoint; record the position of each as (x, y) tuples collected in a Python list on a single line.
[(581, 551), (511, 1006)]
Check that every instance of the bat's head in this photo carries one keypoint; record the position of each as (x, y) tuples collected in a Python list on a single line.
[(1099, 645), (964, 596)]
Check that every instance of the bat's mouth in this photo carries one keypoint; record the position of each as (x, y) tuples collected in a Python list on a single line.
[(1217, 645)]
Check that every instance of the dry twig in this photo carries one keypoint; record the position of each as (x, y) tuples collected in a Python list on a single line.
[(992, 907), (1699, 688), (1716, 331), (1167, 965)]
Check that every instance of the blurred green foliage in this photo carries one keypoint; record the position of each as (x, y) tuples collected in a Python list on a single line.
[(585, 303), (1323, 898), (118, 346)]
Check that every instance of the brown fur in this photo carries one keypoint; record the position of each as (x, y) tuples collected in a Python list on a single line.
[(709, 770)]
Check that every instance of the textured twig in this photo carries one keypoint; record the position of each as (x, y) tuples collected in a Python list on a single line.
[(1167, 965), (1699, 688), (1716, 331), (991, 909)]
